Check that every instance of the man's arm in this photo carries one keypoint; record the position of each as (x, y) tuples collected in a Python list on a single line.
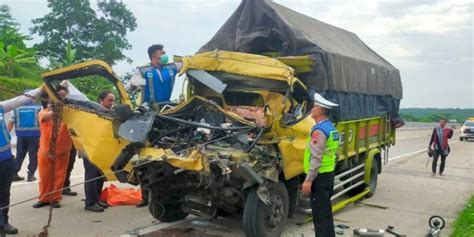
[(450, 133), (10, 126), (11, 104), (432, 137), (317, 146), (11, 121), (45, 115), (136, 81)]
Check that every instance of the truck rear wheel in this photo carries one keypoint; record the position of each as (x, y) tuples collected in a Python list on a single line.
[(165, 212), (374, 172), (261, 220)]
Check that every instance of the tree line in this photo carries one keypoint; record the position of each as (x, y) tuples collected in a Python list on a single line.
[(434, 115), (71, 32)]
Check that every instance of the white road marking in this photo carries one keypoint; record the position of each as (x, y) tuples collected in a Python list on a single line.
[(412, 153), (152, 228)]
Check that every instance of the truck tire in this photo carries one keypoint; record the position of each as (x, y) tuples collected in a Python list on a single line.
[(261, 220), (374, 172), (165, 212)]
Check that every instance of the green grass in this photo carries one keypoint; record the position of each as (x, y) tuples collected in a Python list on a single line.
[(11, 87), (464, 225)]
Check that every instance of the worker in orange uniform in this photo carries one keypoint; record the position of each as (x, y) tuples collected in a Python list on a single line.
[(45, 162)]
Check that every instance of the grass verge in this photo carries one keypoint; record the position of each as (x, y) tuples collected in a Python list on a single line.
[(464, 225)]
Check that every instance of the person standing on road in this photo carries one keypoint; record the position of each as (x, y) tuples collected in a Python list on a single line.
[(49, 186), (25, 121), (439, 145), (319, 164), (7, 163), (93, 188)]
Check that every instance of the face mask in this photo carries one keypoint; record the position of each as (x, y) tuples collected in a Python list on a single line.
[(164, 59)]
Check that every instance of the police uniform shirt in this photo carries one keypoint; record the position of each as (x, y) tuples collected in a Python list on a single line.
[(317, 147)]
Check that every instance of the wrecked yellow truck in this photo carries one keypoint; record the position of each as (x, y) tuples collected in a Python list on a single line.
[(234, 146)]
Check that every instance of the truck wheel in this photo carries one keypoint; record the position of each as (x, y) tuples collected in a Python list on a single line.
[(374, 172), (261, 220), (461, 139), (165, 212)]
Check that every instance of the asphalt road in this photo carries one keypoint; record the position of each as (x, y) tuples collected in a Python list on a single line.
[(406, 190)]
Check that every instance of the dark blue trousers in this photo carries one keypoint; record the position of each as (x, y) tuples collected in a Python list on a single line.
[(26, 145), (94, 188), (70, 166), (320, 197), (7, 169)]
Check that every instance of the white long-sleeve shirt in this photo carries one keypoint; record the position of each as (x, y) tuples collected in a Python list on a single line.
[(138, 81), (11, 104)]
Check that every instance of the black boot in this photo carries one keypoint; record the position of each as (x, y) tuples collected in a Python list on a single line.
[(31, 177), (9, 229), (69, 192), (16, 177), (94, 208), (102, 204)]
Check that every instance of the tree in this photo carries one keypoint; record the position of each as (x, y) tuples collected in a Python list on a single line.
[(67, 59), (16, 58), (94, 36), (6, 19), (12, 56), (408, 117), (9, 33)]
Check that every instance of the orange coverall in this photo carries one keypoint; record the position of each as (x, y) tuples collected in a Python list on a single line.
[(45, 165)]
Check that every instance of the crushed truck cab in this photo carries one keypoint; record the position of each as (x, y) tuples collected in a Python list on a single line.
[(234, 146)]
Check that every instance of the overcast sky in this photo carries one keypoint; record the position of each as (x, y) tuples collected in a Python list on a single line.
[(430, 42)]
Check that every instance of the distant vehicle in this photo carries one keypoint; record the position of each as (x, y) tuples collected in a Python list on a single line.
[(467, 130)]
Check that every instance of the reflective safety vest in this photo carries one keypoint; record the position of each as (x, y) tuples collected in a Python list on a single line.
[(26, 120), (5, 149), (159, 82), (329, 158)]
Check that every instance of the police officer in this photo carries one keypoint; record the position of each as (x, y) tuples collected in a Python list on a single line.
[(25, 120), (157, 78), (7, 165), (319, 163)]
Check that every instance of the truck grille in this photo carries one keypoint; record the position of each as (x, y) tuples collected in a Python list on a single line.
[(467, 130)]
